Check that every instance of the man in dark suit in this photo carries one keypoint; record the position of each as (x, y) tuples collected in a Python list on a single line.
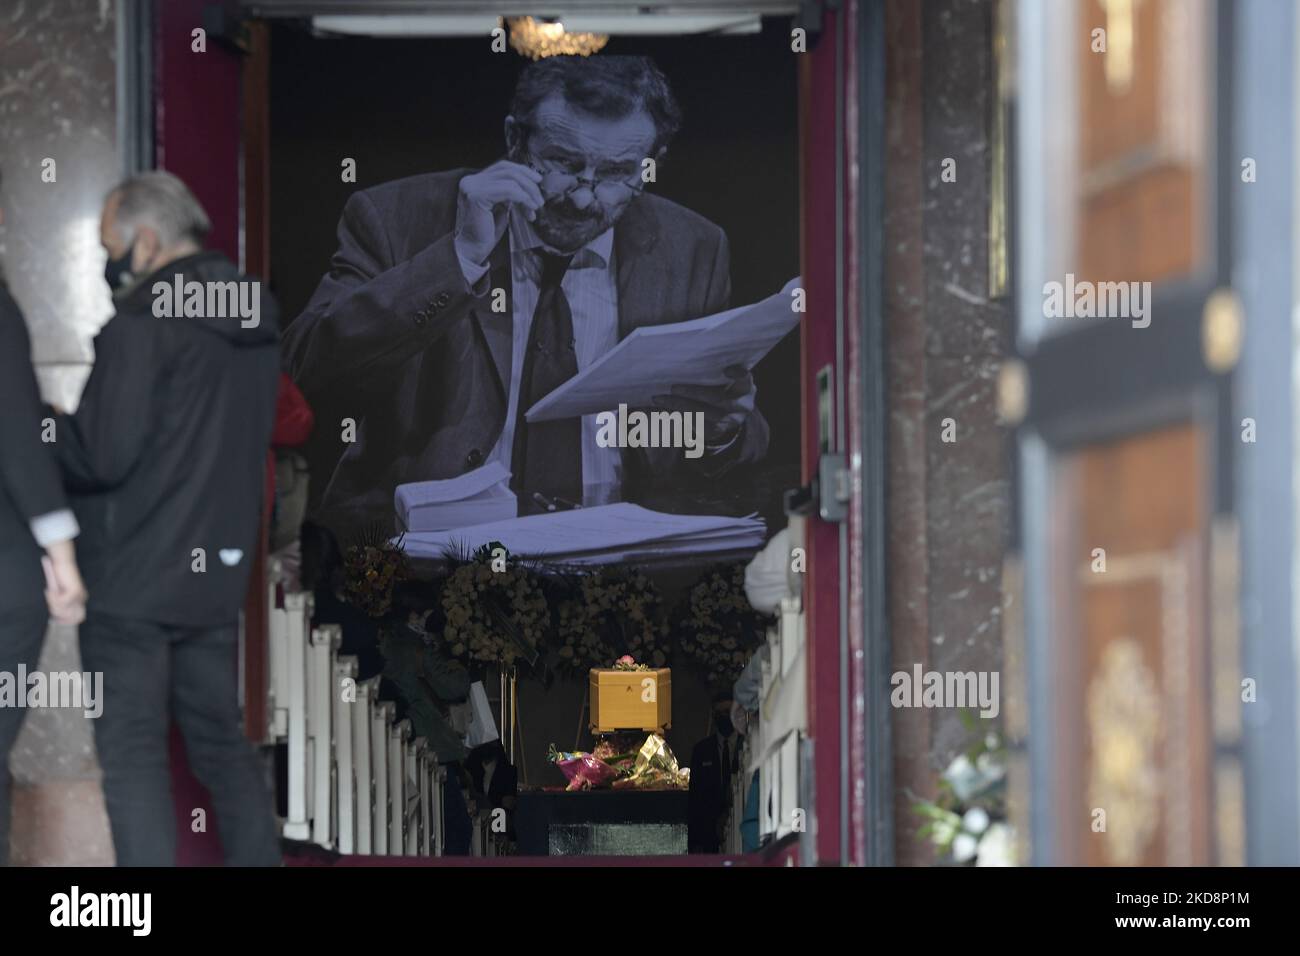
[(494, 784), (714, 762), (166, 458), (458, 299), (35, 524)]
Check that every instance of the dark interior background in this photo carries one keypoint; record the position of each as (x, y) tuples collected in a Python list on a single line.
[(402, 107)]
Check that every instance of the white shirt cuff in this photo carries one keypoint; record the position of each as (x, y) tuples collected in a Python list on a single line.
[(55, 527)]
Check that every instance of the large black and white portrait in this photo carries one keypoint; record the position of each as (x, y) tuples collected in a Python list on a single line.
[(514, 241)]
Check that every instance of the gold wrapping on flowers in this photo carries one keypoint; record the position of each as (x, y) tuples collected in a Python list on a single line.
[(656, 767)]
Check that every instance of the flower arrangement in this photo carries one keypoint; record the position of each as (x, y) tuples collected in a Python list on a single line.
[(608, 613), (967, 822), (720, 630), (493, 616), (373, 566), (628, 663), (488, 610), (621, 762)]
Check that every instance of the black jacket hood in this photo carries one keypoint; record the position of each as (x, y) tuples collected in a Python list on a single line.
[(229, 304)]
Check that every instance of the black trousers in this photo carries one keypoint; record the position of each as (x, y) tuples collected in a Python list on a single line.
[(22, 632), (153, 672)]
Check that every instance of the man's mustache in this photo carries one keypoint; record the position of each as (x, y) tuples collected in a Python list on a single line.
[(566, 210)]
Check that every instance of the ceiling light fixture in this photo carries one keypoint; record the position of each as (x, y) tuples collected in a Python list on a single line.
[(540, 38)]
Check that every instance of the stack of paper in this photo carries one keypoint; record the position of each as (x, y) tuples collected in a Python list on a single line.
[(475, 497), (607, 534)]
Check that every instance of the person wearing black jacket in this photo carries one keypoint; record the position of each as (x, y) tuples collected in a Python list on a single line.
[(166, 459), (714, 760), (35, 522), (496, 782)]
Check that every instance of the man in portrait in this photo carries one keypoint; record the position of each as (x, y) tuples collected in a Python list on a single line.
[(458, 299)]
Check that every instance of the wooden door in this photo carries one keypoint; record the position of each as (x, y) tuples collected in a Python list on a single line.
[(1132, 515), (1126, 514)]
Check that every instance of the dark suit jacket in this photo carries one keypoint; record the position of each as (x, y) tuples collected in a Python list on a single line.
[(707, 799), (395, 339), (505, 781), (30, 484)]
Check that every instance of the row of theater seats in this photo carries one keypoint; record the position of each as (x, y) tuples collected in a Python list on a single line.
[(358, 783)]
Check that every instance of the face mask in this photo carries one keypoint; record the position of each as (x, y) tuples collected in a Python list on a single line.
[(725, 726), (118, 271)]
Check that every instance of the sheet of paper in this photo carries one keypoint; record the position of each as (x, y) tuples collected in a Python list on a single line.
[(648, 554), (655, 357)]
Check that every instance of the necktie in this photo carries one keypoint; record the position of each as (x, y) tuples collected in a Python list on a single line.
[(547, 456)]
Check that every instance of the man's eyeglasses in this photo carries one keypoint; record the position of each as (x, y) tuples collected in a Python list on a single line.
[(609, 189)]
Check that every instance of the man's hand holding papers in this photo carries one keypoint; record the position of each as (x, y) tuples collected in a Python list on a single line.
[(725, 407)]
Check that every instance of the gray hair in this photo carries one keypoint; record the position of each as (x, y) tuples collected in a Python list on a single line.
[(160, 200)]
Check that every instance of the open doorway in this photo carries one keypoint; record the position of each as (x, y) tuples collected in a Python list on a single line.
[(355, 117)]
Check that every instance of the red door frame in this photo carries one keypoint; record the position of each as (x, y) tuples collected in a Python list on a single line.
[(831, 247)]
